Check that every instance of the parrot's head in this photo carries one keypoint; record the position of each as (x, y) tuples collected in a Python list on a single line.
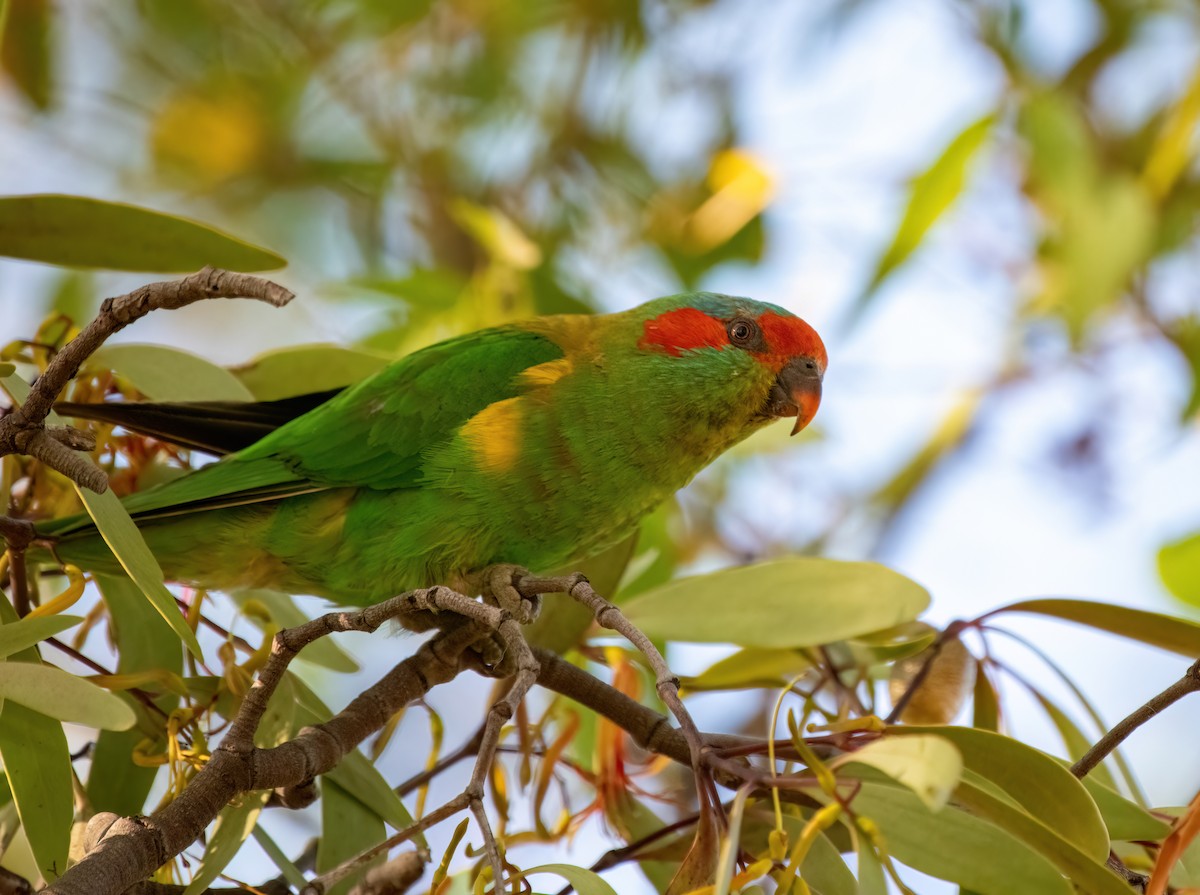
[(761, 361)]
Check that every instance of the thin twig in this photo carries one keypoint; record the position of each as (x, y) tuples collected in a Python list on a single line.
[(1189, 683), (666, 681)]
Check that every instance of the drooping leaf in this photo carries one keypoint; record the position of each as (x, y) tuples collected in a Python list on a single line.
[(931, 194), (37, 765), (74, 231), (169, 374), (62, 695), (825, 869), (305, 369), (144, 642), (1172, 151), (585, 881), (347, 828), (29, 631), (128, 546), (953, 845), (931, 766), (799, 601), (1123, 819), (37, 762), (27, 48), (1085, 871), (1173, 634)]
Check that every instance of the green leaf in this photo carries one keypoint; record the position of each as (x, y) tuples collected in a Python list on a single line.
[(799, 601), (347, 827), (1074, 740), (127, 545), (64, 696), (37, 761), (27, 48), (1124, 819), (168, 374), (585, 881), (293, 874), (74, 231), (929, 765), (1035, 781), (824, 868), (231, 828), (1179, 567), (953, 845), (1163, 631), (308, 368), (871, 880), (144, 641), (931, 194), (1088, 873), (29, 631), (986, 702), (286, 614), (750, 668)]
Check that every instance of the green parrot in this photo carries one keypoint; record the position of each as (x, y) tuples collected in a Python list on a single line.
[(535, 444)]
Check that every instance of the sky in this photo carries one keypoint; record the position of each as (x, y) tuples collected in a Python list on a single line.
[(842, 121)]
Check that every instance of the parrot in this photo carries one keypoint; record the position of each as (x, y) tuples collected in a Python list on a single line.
[(535, 444)]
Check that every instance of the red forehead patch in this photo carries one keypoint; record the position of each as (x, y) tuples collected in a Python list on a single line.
[(684, 329), (791, 337)]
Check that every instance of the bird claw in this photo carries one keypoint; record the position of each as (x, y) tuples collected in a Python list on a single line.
[(500, 589)]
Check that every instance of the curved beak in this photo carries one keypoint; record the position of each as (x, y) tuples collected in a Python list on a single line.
[(798, 391)]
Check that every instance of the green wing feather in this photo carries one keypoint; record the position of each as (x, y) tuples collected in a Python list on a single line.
[(373, 435)]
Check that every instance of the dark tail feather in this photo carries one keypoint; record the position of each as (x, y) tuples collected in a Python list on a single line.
[(215, 427)]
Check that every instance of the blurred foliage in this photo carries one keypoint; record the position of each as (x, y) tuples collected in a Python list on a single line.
[(457, 163)]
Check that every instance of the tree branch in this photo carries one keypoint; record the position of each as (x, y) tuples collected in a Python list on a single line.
[(24, 430), (125, 851), (1189, 683)]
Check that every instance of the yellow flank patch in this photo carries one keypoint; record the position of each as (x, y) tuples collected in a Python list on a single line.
[(494, 433), (548, 373)]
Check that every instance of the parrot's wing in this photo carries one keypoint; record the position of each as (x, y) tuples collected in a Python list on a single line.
[(377, 434), (372, 435)]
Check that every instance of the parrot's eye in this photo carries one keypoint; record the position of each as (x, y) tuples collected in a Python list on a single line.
[(743, 332)]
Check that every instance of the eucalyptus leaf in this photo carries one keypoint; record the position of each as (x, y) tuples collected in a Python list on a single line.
[(74, 231), (306, 368), (793, 602), (1173, 634), (1035, 781), (585, 881), (30, 631), (169, 374), (954, 845), (63, 696)]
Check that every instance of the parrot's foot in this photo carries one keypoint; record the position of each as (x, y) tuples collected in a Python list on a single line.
[(499, 587)]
